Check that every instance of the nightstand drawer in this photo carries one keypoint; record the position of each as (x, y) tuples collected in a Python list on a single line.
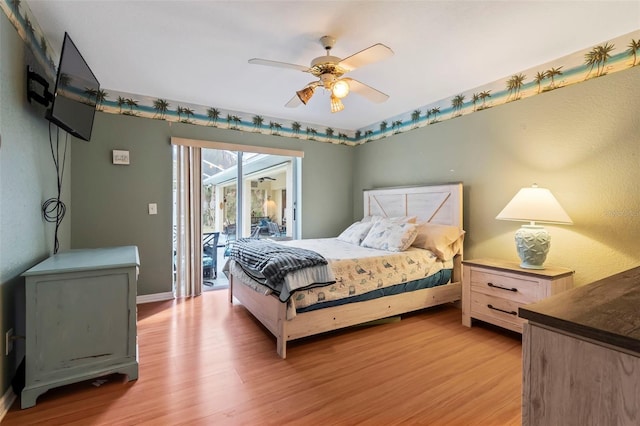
[(503, 285), (489, 308)]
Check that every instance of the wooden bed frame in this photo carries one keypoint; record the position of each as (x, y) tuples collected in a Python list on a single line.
[(437, 204)]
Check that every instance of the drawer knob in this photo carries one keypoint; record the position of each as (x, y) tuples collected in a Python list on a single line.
[(502, 310), (502, 288)]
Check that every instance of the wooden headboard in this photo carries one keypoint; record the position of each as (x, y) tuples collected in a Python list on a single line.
[(434, 203)]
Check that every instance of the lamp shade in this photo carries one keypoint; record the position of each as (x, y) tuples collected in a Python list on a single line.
[(534, 205)]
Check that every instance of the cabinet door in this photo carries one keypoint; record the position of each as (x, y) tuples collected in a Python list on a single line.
[(81, 321)]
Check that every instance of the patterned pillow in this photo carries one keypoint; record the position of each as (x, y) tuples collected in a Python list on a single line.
[(443, 240), (355, 233), (390, 236)]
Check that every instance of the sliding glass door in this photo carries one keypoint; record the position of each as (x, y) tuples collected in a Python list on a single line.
[(245, 191), (245, 194)]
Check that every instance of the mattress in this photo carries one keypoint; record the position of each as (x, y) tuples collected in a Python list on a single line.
[(357, 271), (439, 278)]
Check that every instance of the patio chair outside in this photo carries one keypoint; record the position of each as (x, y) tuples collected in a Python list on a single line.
[(210, 255)]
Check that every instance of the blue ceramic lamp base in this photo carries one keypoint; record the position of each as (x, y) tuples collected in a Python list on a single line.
[(532, 243)]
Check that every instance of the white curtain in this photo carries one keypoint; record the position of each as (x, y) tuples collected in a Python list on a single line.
[(189, 222)]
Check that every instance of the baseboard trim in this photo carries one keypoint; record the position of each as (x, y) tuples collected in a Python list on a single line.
[(6, 401), (156, 297)]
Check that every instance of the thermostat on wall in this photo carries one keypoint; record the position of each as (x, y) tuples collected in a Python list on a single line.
[(120, 157)]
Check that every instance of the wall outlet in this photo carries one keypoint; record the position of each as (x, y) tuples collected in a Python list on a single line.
[(8, 342)]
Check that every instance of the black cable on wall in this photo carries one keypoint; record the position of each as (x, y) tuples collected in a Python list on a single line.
[(53, 210)]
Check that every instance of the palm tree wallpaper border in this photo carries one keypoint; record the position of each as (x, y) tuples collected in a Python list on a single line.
[(606, 58)]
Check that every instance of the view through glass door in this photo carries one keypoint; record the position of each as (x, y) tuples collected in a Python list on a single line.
[(243, 194)]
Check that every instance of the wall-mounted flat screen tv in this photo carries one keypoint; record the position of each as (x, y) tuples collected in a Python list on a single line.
[(76, 93)]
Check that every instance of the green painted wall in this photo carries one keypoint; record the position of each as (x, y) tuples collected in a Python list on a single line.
[(110, 202), (27, 179), (582, 142)]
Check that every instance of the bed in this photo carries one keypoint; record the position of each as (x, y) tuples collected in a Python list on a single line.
[(434, 206)]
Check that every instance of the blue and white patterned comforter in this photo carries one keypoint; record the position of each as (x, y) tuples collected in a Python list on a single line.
[(356, 270)]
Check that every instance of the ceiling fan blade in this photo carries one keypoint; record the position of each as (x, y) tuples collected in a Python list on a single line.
[(368, 92), (371, 54), (258, 61)]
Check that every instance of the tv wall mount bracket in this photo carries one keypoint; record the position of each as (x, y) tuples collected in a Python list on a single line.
[(33, 77)]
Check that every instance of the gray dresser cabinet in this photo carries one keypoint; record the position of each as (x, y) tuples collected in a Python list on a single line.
[(80, 318)]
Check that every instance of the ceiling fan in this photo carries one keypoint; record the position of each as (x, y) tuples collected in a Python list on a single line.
[(262, 179), (330, 69)]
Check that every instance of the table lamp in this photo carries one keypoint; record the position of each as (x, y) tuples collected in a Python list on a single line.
[(533, 205)]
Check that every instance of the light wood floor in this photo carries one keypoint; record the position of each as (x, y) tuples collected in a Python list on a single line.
[(205, 362)]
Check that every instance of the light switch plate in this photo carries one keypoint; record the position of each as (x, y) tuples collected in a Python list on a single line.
[(153, 208), (120, 157)]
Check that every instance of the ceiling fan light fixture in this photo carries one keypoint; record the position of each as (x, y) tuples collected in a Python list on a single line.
[(336, 104), (305, 94), (329, 71), (340, 89)]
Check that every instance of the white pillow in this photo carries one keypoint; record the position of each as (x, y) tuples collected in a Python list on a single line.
[(443, 240), (386, 235), (356, 232)]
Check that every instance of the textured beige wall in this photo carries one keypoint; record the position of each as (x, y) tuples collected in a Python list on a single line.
[(582, 142)]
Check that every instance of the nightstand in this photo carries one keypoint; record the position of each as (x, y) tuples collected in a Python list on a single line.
[(493, 290)]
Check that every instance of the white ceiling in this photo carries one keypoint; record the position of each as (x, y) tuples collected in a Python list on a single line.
[(197, 51)]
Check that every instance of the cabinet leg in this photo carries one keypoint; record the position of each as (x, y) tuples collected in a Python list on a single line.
[(130, 371), (466, 320), (28, 396)]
